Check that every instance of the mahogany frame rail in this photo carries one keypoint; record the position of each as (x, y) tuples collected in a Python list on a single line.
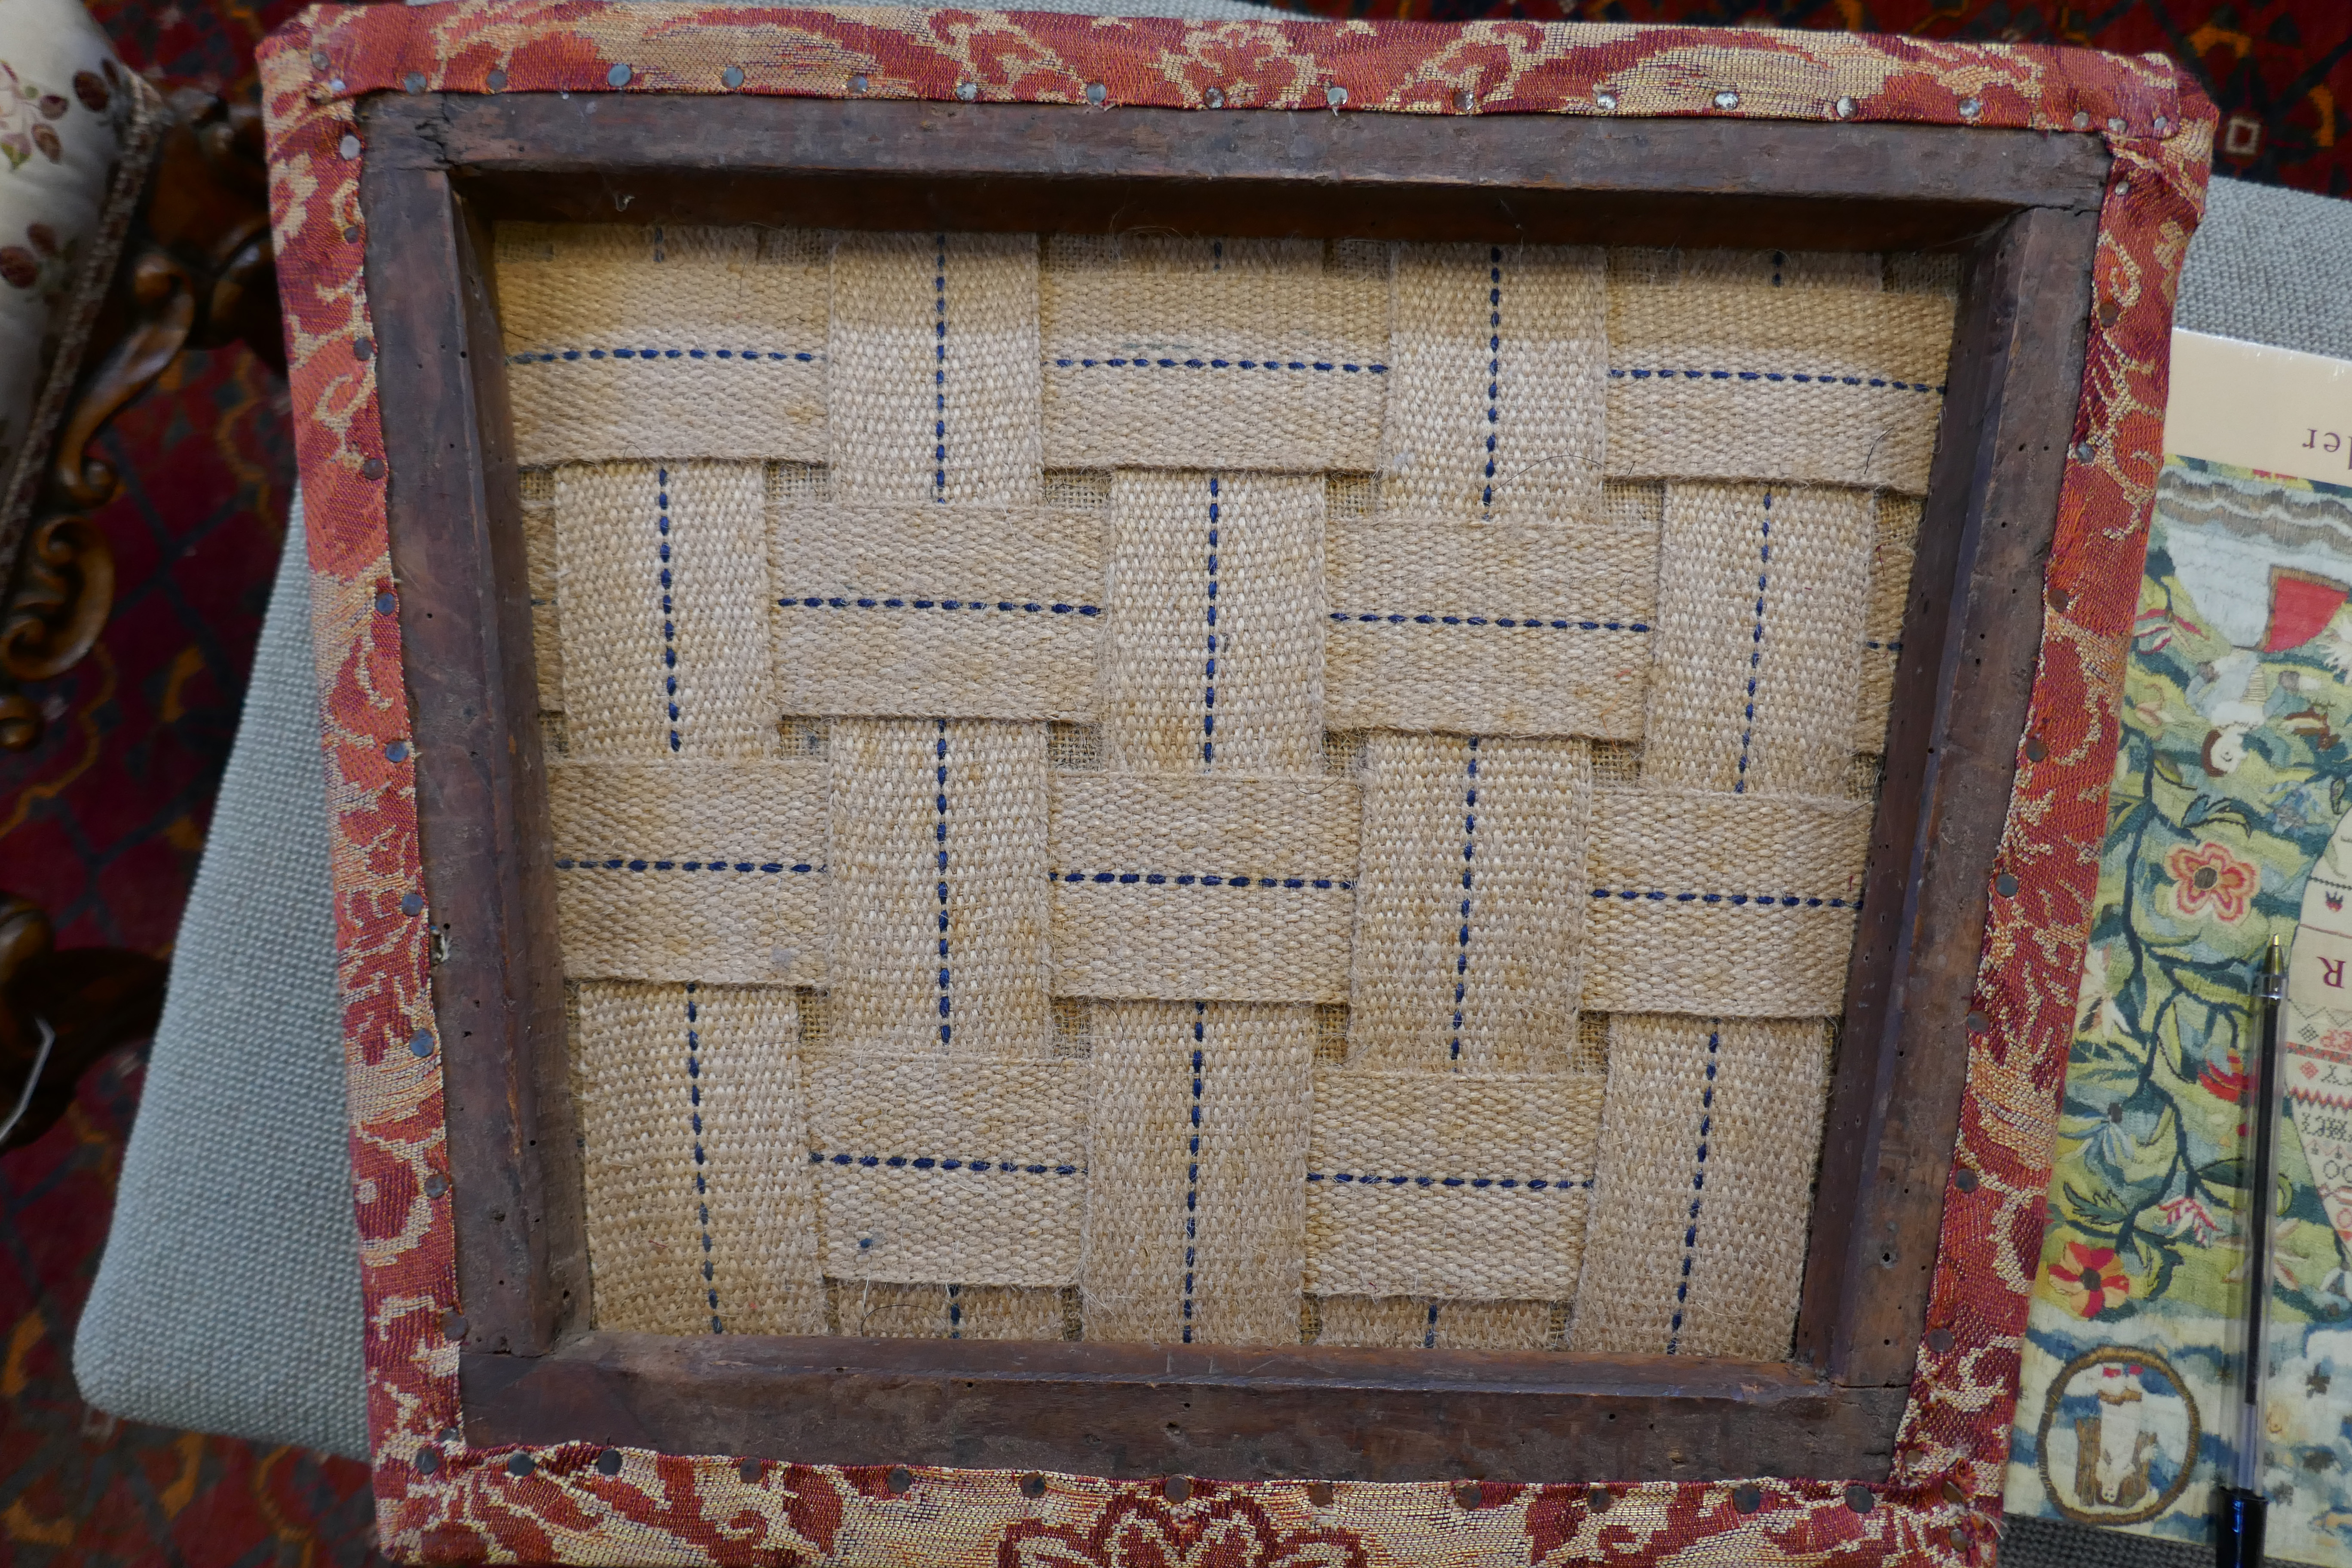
[(2020, 207)]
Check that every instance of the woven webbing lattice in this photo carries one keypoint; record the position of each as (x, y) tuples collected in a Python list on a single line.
[(1225, 791)]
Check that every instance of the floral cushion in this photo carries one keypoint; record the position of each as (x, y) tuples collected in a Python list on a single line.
[(67, 111)]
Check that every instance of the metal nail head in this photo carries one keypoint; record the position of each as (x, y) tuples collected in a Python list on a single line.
[(1605, 100), (427, 1461), (1845, 109), (413, 82), (2081, 121), (1334, 96), (967, 91), (857, 84), (373, 468), (412, 903), (1096, 92), (496, 82), (731, 77), (608, 1463), (435, 1184), (318, 59), (1466, 100), (349, 145), (386, 604), (2086, 453), (902, 1480), (1860, 1498), (396, 752), (1214, 98), (421, 1044), (1748, 1499), (1726, 99), (617, 77), (1970, 107), (519, 1465), (750, 1470)]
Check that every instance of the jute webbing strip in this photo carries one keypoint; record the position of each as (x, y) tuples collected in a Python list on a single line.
[(664, 569), (1498, 385), (946, 1312), (691, 871), (1196, 1188), (701, 1215), (1711, 903), (1178, 888), (1892, 552), (1213, 655), (1758, 646), (1500, 628), (538, 487), (1470, 904), (948, 1169), (1421, 1322), (1450, 1185), (1707, 1150), (883, 611), (940, 900), (935, 381), (1772, 365), (667, 342), (1171, 353)]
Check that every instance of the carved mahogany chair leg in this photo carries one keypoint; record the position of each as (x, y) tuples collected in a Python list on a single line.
[(82, 1002)]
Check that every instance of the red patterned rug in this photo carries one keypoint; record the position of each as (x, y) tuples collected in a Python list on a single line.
[(104, 822)]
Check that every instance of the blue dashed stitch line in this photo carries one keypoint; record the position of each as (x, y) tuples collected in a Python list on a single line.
[(1761, 901), (772, 868), (1756, 652), (939, 377), (1020, 607), (1140, 362), (669, 623), (1882, 646), (1493, 384), (955, 1311), (739, 356), (1193, 1170), (1187, 879), (1814, 380), (1698, 1191), (1469, 848), (1209, 699), (1529, 623), (701, 1182), (941, 833), (1505, 1183), (947, 1163), (1429, 1340)]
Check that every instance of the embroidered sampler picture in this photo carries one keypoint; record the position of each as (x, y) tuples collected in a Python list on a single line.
[(2229, 822), (1234, 791)]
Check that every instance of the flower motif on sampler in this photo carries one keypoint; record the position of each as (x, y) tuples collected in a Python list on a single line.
[(2089, 1279), (2209, 876), (1229, 1530)]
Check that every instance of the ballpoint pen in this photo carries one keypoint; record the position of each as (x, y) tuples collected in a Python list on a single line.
[(2238, 1535)]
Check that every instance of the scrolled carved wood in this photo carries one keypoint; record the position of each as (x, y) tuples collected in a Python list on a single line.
[(196, 272), (65, 586)]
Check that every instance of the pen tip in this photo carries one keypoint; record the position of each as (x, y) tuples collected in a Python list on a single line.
[(2274, 959)]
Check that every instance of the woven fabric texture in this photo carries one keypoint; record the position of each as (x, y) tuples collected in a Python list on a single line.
[(228, 1297), (1156, 789)]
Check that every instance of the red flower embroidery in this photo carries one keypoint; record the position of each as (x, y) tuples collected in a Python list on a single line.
[(1142, 1531), (2209, 874), (2230, 1085), (2089, 1280)]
